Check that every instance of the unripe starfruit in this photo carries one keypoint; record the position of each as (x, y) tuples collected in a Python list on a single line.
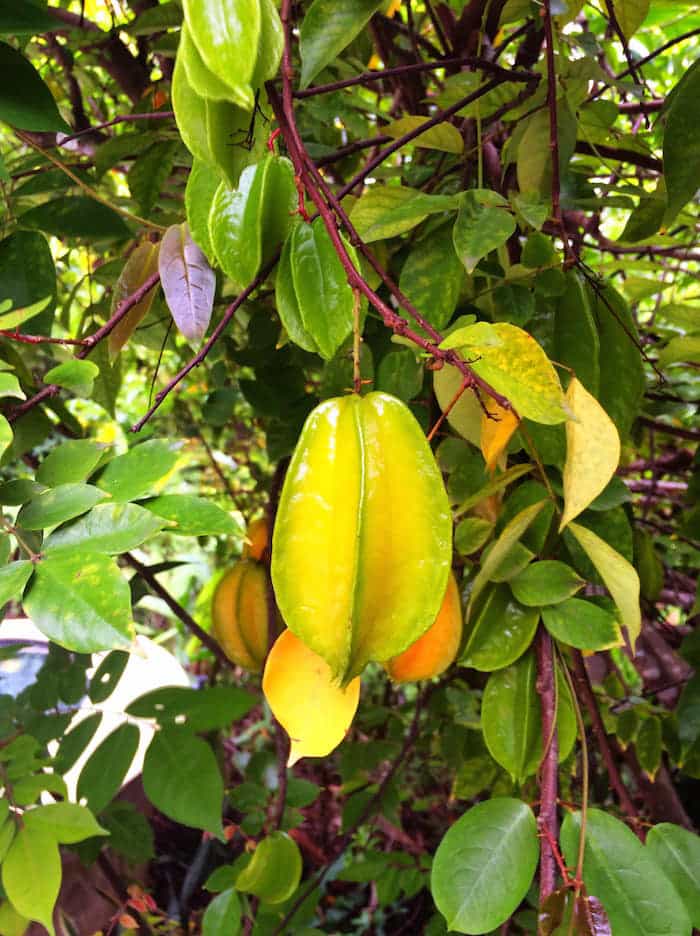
[(362, 543), (239, 614), (305, 698), (256, 539), (432, 653)]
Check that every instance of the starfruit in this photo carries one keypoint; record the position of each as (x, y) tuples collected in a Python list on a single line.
[(306, 700), (257, 538), (240, 614), (432, 653), (362, 542)]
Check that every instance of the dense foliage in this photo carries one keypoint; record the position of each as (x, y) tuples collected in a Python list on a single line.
[(252, 255)]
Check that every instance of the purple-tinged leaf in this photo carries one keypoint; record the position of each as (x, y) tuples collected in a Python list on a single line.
[(188, 282)]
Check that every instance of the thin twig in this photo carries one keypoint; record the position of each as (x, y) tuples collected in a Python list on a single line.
[(547, 818), (125, 118)]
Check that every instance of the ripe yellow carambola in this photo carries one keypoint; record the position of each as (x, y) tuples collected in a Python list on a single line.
[(363, 538), (432, 653), (305, 698), (256, 539), (239, 614)]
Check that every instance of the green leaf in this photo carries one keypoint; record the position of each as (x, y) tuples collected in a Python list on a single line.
[(500, 549), (484, 223), (471, 534), (622, 380), (19, 491), (682, 349), (638, 898), (9, 386), (67, 823), (202, 79), (81, 601), (77, 376), (107, 675), (202, 185), (677, 852), (618, 574), (58, 504), (12, 923), (324, 296), (576, 342), (501, 631), (27, 18), (385, 211), (534, 154), (328, 27), (432, 277), (194, 516), (7, 834), (31, 875), (69, 462), (150, 171), (226, 33), (104, 771), (13, 578), (108, 528), (515, 365), (682, 143), (287, 302), (75, 741), (444, 137), (630, 14), (25, 101), (188, 282), (511, 718), (133, 474), (582, 624), (181, 778), (28, 275), (484, 865), (76, 216), (197, 709), (130, 833), (274, 871), (546, 583), (223, 915), (400, 374), (649, 746)]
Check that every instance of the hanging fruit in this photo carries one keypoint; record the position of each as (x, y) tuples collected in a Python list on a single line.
[(363, 539), (240, 614)]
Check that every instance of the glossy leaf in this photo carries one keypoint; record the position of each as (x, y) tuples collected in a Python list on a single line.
[(31, 875), (58, 505), (26, 101), (6, 435), (202, 185), (81, 601), (287, 302), (274, 871), (104, 771), (128, 476), (484, 865), (338, 604), (618, 574), (638, 897), (515, 365), (501, 631), (496, 431), (547, 582), (328, 27), (188, 282), (142, 264), (223, 915), (67, 823), (203, 81), (107, 528), (317, 719), (69, 462), (677, 851), (592, 451), (511, 718), (471, 534), (226, 33), (76, 376), (483, 224), (182, 779), (190, 114), (13, 578), (582, 624), (193, 516)]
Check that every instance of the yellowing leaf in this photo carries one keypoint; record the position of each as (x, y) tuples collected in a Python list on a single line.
[(465, 415), (305, 699), (515, 365), (496, 432), (619, 575), (592, 451), (443, 137), (142, 264)]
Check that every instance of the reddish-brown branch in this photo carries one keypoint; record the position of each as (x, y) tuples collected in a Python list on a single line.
[(89, 343), (125, 118), (553, 127), (547, 819), (623, 155), (38, 339), (692, 435), (584, 690)]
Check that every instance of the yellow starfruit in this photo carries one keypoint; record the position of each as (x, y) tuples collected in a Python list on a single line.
[(361, 548), (239, 614)]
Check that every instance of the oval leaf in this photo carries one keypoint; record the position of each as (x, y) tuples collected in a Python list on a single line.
[(31, 874), (188, 282), (582, 624), (274, 871), (142, 264)]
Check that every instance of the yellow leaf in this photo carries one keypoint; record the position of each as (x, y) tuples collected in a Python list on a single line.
[(142, 263), (620, 577), (443, 137), (465, 414), (306, 700), (496, 432), (592, 451)]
